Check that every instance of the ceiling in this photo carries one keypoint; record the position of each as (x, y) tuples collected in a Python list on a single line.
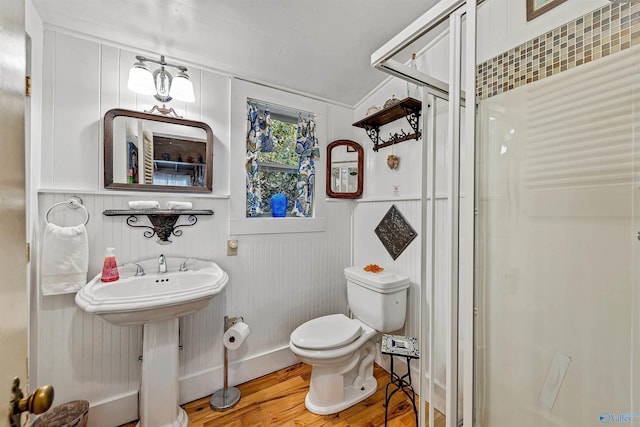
[(321, 48)]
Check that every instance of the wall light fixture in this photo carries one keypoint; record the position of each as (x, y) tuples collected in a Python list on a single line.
[(160, 83)]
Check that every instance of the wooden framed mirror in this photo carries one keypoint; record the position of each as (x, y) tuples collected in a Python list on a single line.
[(345, 171), (148, 152)]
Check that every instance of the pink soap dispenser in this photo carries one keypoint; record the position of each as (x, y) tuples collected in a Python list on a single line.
[(110, 269)]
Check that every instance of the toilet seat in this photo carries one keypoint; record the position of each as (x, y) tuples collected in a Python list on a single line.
[(326, 333)]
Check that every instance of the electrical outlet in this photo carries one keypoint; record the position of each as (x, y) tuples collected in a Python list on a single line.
[(232, 247)]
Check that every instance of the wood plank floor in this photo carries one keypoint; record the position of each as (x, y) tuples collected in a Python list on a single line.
[(277, 399)]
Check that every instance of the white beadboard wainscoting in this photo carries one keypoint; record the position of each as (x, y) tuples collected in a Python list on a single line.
[(276, 283), (369, 249)]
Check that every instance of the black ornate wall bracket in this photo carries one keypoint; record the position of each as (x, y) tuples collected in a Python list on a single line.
[(164, 223), (409, 108)]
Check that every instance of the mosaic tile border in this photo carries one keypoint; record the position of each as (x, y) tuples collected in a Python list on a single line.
[(597, 34)]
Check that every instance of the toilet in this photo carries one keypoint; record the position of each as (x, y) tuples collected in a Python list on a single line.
[(340, 350)]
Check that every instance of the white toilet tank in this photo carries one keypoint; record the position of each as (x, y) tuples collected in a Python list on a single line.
[(377, 299)]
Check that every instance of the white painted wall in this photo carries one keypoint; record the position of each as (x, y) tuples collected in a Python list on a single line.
[(502, 24), (277, 281)]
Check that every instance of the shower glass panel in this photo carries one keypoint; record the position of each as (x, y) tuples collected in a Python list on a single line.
[(557, 249), (438, 126), (447, 198), (440, 294), (439, 114), (634, 242), (443, 243)]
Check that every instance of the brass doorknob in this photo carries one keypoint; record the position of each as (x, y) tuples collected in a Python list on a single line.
[(37, 402)]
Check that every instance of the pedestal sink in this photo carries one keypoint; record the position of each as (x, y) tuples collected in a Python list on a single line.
[(156, 300)]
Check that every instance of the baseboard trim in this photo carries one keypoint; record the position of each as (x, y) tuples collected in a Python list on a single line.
[(124, 408), (115, 411), (206, 382)]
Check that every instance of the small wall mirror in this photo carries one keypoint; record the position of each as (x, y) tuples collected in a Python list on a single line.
[(147, 152), (345, 159)]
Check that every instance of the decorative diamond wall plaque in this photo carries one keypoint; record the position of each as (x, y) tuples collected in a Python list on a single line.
[(395, 232)]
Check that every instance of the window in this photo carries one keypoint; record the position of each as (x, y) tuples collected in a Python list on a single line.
[(242, 148), (278, 165), (281, 152)]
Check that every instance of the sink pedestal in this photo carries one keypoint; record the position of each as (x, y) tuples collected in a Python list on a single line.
[(156, 300), (159, 386)]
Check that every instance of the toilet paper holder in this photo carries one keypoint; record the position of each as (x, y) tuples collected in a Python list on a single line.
[(230, 321), (227, 397)]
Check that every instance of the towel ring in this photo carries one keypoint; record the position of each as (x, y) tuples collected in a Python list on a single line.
[(73, 202)]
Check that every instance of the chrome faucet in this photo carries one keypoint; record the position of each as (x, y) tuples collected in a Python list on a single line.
[(139, 269), (183, 266), (162, 265)]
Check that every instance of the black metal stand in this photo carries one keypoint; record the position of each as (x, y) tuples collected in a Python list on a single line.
[(401, 384)]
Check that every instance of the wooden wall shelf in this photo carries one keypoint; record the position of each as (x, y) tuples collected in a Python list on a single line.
[(408, 107)]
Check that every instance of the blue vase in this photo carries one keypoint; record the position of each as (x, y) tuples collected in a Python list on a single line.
[(279, 205)]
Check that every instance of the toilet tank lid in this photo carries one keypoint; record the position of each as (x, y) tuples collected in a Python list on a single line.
[(383, 282), (326, 332)]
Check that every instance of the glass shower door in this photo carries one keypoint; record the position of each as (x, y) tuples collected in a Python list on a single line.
[(557, 186), (634, 237)]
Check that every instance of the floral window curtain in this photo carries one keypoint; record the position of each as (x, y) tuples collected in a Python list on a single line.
[(254, 198), (259, 139), (307, 148)]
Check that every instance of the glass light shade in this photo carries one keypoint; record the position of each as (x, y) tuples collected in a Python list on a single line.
[(182, 88), (141, 80), (163, 84)]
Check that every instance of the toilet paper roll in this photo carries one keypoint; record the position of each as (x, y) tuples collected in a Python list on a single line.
[(235, 335)]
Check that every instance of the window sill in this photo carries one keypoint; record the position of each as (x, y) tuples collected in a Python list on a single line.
[(276, 225)]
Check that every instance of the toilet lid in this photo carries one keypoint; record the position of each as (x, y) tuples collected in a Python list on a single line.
[(327, 332)]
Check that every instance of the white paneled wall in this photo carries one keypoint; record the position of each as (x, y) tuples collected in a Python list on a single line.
[(368, 249), (277, 281), (71, 89), (402, 187), (86, 80), (380, 184), (502, 24)]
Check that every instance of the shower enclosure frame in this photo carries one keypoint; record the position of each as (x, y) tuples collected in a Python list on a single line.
[(382, 59)]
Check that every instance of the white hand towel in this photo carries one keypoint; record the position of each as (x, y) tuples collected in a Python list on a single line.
[(179, 205), (144, 204), (65, 259)]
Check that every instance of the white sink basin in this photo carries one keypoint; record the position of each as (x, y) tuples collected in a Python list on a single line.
[(134, 300), (156, 300)]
